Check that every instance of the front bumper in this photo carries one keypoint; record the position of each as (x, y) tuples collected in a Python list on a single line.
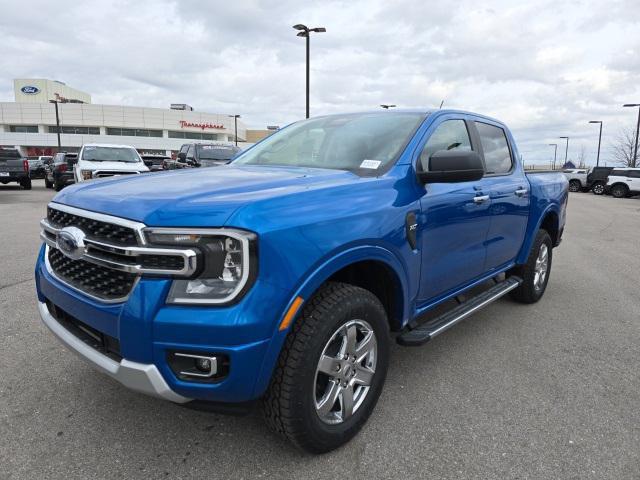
[(141, 377), (147, 329)]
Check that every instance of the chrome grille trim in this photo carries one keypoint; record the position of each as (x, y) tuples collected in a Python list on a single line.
[(92, 253)]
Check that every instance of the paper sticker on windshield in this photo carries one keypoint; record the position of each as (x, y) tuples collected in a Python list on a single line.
[(373, 164)]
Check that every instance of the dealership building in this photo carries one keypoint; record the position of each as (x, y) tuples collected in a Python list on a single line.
[(30, 122)]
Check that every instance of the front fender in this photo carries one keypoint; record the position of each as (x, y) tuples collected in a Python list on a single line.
[(319, 275)]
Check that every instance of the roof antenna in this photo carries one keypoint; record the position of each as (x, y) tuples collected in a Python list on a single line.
[(441, 103)]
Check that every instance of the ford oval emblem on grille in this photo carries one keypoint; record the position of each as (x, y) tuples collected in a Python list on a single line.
[(70, 241)]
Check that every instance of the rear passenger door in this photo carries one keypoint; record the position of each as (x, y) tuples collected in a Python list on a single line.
[(633, 180), (508, 188)]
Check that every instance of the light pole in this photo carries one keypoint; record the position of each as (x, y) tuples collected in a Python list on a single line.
[(306, 33), (55, 102), (635, 150), (387, 106), (235, 123), (599, 140), (566, 150), (555, 153)]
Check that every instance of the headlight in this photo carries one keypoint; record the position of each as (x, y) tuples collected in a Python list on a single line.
[(87, 174), (227, 263)]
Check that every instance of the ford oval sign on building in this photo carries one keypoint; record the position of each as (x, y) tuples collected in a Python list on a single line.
[(30, 90)]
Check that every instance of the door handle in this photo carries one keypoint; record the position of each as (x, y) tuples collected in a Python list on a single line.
[(480, 199), (521, 192)]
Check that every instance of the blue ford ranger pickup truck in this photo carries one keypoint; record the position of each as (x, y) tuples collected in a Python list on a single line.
[(280, 276)]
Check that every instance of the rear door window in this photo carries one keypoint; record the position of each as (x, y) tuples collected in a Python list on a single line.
[(497, 156)]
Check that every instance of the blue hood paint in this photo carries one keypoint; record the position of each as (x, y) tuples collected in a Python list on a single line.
[(204, 197)]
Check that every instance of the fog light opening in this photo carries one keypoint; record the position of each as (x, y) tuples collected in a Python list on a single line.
[(200, 366)]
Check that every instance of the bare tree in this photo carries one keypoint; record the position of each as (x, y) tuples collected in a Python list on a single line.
[(581, 156), (622, 147)]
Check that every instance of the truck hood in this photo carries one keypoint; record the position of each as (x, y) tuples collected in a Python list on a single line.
[(198, 197), (117, 166)]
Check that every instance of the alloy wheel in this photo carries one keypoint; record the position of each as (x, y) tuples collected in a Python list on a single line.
[(345, 371)]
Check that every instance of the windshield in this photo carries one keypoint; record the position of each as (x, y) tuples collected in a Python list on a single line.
[(356, 142), (110, 154), (216, 152)]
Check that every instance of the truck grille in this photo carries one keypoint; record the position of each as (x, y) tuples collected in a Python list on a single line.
[(95, 229), (102, 282), (109, 254), (104, 174)]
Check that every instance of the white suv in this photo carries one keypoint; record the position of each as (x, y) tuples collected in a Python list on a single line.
[(98, 160), (623, 182)]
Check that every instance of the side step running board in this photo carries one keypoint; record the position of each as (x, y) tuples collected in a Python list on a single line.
[(421, 334)]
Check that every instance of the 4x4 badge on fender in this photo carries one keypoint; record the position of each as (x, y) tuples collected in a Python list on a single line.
[(70, 241)]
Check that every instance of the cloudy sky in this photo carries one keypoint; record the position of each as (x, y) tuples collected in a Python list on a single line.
[(544, 67)]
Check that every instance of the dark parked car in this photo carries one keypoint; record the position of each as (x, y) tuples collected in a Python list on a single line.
[(14, 168), (597, 179), (37, 166), (155, 163), (59, 173), (205, 155)]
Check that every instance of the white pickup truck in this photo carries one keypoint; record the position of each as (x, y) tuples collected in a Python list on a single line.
[(577, 178), (106, 160)]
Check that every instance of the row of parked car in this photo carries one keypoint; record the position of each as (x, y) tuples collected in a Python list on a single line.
[(105, 160), (619, 182)]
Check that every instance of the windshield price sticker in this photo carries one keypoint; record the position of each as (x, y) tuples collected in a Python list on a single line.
[(372, 164)]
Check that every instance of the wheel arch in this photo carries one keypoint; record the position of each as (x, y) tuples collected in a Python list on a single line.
[(548, 220), (377, 261)]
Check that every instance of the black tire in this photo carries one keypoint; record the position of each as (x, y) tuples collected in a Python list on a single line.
[(575, 186), (598, 188), (47, 183), (619, 191), (26, 184), (58, 186), (527, 292), (289, 405)]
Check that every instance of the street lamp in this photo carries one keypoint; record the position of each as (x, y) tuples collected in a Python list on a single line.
[(55, 102), (635, 150), (387, 106), (235, 122), (306, 33), (555, 153), (566, 150), (599, 140)]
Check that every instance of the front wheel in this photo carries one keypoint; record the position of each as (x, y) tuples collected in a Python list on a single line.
[(331, 369), (598, 188), (534, 273)]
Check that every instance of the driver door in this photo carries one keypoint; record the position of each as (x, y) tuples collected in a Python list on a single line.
[(453, 221)]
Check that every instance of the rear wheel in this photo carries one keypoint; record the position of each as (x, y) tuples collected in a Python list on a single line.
[(534, 273), (598, 188), (47, 183), (619, 191), (331, 369), (58, 186), (26, 184), (575, 186)]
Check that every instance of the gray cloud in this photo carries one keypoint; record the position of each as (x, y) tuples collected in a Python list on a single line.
[(544, 67)]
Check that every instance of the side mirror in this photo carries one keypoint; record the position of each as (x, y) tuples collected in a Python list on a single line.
[(182, 157), (451, 166)]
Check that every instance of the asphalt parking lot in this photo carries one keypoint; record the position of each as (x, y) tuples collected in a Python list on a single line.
[(550, 390)]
